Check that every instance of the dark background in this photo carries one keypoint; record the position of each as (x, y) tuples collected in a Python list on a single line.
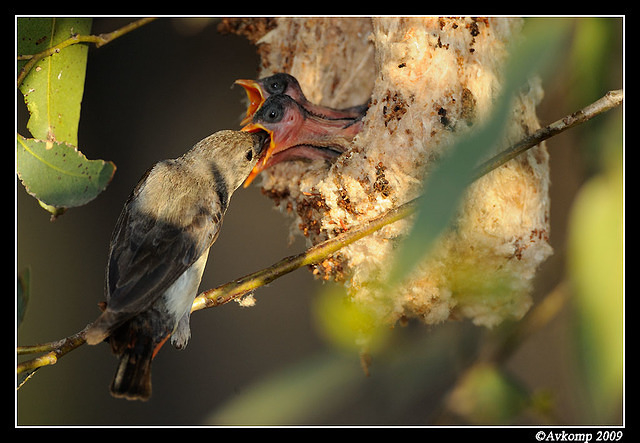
[(151, 95)]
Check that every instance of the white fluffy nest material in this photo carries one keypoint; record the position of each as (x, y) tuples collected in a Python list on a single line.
[(429, 80)]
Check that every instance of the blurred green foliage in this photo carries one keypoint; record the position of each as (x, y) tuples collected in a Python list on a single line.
[(596, 271), (348, 325), (447, 183)]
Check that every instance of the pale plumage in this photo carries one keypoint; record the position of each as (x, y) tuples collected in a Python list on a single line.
[(159, 250)]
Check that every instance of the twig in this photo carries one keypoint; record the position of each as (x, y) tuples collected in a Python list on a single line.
[(232, 290), (99, 40), (610, 100), (505, 344), (501, 346), (54, 350), (245, 285)]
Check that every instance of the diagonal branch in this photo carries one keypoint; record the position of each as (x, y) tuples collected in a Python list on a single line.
[(610, 100), (245, 285)]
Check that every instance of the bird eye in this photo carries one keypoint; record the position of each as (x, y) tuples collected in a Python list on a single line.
[(276, 87), (273, 114), (249, 155)]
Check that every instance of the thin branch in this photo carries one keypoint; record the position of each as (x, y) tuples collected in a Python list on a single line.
[(609, 101), (99, 40), (54, 350), (232, 290), (504, 345), (496, 350), (245, 285)]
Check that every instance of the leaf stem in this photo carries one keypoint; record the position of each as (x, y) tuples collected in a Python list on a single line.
[(99, 40)]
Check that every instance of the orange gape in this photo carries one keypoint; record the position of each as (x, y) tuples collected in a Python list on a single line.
[(298, 128)]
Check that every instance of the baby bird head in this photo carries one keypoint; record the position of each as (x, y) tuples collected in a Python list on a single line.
[(260, 90)]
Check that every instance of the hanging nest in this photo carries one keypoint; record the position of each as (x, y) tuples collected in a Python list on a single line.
[(429, 81)]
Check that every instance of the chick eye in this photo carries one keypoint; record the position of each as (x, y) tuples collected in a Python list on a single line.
[(249, 155), (276, 87), (273, 114)]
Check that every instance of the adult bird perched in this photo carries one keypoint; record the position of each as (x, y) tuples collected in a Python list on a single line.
[(281, 83), (159, 249), (297, 133)]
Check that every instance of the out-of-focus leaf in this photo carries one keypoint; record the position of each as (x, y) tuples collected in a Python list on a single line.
[(53, 89), (297, 395), (487, 395), (23, 291), (595, 258), (348, 325), (446, 184), (590, 57), (58, 175), (415, 371), (596, 68)]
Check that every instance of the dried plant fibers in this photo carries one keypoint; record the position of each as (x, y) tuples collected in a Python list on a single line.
[(430, 80)]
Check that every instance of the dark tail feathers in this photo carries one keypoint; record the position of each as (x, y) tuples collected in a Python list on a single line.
[(133, 376)]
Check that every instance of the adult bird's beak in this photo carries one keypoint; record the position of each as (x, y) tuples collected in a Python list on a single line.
[(255, 96), (266, 153)]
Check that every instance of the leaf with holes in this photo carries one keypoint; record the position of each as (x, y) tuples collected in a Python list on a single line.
[(54, 86), (49, 165), (58, 175)]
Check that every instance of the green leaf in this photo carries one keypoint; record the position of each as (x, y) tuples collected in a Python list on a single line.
[(315, 388), (447, 183), (53, 88), (49, 165), (58, 175), (295, 395), (595, 259), (349, 325), (590, 59), (488, 395)]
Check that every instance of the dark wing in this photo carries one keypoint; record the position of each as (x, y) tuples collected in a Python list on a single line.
[(147, 256)]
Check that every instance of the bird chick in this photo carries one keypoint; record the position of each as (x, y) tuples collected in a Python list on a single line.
[(298, 134), (281, 83), (159, 250)]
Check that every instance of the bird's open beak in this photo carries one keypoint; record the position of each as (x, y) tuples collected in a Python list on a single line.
[(266, 153), (254, 94)]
